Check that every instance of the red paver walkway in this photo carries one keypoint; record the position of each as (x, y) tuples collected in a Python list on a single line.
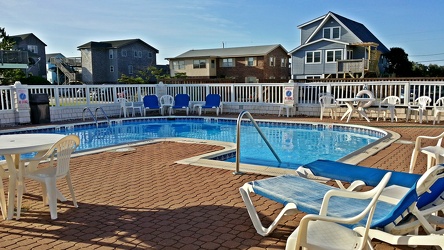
[(143, 200)]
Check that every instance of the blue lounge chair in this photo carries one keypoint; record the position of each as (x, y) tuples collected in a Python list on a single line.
[(181, 101), (211, 102), (150, 102), (406, 196)]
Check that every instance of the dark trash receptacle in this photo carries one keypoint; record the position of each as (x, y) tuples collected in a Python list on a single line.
[(39, 104)]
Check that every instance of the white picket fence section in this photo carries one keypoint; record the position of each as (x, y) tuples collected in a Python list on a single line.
[(68, 101)]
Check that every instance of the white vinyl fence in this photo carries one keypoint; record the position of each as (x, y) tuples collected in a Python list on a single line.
[(68, 101)]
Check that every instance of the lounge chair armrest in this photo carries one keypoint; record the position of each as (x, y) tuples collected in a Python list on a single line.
[(356, 185)]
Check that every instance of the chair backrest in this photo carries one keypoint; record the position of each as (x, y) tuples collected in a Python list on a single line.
[(212, 100), (62, 151), (182, 100), (123, 102), (439, 102), (365, 93), (327, 101), (426, 190), (423, 101), (393, 100), (167, 100), (150, 101)]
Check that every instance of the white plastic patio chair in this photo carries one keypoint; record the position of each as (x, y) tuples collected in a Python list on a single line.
[(438, 108), (166, 101), (388, 104), (435, 153), (328, 102), (323, 231), (47, 176), (4, 173), (124, 106), (419, 106)]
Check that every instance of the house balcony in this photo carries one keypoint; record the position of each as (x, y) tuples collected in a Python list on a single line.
[(13, 59), (356, 68)]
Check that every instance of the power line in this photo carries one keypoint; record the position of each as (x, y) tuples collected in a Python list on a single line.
[(430, 54), (440, 60)]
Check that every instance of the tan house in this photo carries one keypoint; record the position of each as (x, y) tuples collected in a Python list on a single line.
[(242, 64)]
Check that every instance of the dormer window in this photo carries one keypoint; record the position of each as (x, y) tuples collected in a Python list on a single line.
[(332, 32)]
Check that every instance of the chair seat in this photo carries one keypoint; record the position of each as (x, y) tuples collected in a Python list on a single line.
[(41, 173)]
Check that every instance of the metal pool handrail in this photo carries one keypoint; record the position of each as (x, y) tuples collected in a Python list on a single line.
[(239, 120)]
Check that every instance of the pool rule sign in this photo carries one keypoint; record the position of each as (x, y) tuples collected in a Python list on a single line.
[(22, 96), (288, 96)]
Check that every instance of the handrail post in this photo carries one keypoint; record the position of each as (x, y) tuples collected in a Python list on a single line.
[(239, 120)]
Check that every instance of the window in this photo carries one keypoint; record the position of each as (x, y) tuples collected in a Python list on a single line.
[(333, 55), (313, 77), (150, 54), (111, 69), (33, 48), (111, 54), (332, 32), (199, 64), (313, 57), (283, 62), (130, 69), (124, 53), (251, 61), (178, 64), (138, 54), (272, 61), (227, 62)]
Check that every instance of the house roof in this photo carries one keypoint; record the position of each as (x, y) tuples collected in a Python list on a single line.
[(113, 44), (358, 29), (229, 52), (19, 38)]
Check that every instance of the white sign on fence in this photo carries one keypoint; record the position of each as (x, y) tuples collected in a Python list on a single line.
[(288, 96)]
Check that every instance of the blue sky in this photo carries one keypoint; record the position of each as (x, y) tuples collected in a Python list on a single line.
[(176, 26)]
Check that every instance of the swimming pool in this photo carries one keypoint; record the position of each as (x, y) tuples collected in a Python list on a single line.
[(295, 143)]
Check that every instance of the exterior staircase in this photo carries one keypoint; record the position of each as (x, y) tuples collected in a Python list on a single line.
[(68, 67)]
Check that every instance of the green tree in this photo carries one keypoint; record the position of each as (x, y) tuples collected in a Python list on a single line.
[(131, 79), (399, 63), (6, 42)]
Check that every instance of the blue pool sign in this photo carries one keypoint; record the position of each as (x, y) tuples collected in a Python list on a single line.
[(288, 96)]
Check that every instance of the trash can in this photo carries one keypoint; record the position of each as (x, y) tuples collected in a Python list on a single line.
[(39, 104)]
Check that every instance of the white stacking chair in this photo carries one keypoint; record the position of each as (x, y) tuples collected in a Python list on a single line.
[(419, 106), (328, 102), (124, 106), (61, 152), (435, 153), (4, 173), (388, 104), (438, 108), (166, 102)]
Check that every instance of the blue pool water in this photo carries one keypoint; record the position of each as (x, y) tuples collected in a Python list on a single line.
[(295, 143)]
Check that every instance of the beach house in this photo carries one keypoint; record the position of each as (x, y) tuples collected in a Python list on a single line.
[(333, 46)]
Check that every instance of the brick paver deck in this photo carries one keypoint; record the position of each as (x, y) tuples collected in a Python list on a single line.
[(142, 199)]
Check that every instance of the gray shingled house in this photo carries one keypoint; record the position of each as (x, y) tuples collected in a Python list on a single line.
[(106, 61), (333, 46)]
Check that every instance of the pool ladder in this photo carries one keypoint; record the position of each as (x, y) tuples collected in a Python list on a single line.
[(95, 116), (239, 120)]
